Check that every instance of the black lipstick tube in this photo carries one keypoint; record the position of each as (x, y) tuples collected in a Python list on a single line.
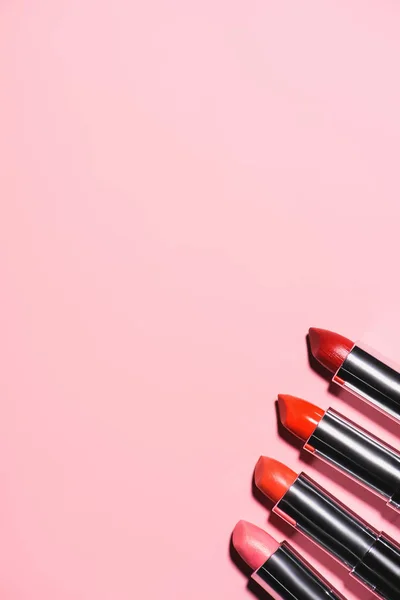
[(371, 557), (362, 456), (371, 378), (286, 576)]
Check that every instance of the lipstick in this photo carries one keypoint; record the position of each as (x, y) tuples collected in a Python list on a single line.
[(278, 568), (358, 369), (370, 556), (345, 445)]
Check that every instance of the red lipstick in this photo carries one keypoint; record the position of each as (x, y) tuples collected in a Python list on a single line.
[(330, 349), (371, 557), (345, 445), (278, 569), (359, 370)]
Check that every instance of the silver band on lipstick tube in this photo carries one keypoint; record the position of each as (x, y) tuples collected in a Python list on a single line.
[(370, 378), (286, 576), (359, 454), (371, 557)]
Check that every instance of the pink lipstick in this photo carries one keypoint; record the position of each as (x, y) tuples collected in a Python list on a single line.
[(253, 544), (371, 557), (278, 568)]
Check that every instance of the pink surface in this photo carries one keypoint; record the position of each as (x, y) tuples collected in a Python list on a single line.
[(253, 544), (186, 188)]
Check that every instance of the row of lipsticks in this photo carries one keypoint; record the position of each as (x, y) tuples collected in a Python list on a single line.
[(370, 556)]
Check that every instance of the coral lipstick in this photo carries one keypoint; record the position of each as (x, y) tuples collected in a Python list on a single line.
[(278, 569), (358, 369), (345, 445), (274, 476), (267, 472), (370, 556)]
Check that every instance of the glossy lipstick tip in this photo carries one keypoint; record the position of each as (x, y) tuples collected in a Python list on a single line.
[(299, 416), (253, 544), (273, 478), (329, 348)]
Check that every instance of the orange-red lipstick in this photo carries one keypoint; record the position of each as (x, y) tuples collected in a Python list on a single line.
[(299, 416), (345, 445)]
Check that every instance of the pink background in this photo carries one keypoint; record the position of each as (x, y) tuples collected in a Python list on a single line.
[(185, 188)]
